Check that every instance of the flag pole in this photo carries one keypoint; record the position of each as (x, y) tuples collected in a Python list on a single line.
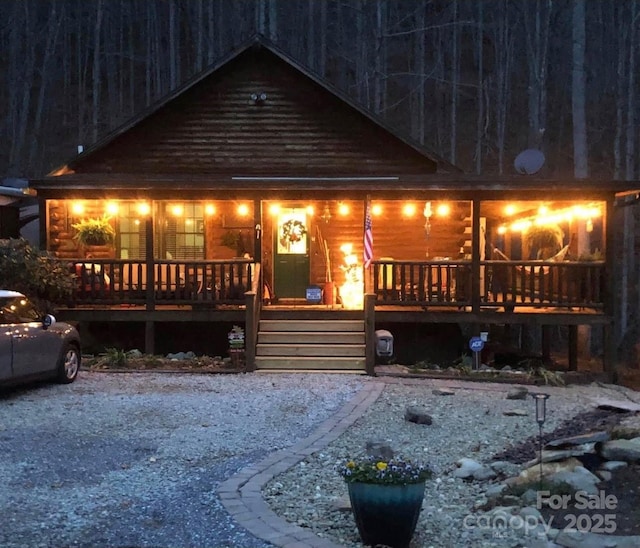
[(367, 245)]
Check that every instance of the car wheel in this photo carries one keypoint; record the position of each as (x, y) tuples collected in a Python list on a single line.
[(68, 364)]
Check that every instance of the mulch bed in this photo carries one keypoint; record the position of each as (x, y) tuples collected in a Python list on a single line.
[(201, 364), (624, 483)]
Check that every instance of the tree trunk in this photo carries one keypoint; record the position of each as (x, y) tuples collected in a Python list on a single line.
[(631, 98), (578, 93), (455, 76), (96, 74), (479, 91)]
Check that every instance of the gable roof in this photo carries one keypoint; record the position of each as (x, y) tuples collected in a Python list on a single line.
[(211, 125)]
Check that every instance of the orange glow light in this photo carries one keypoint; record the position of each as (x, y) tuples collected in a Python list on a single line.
[(274, 209), (243, 210), (443, 210), (210, 209), (343, 209), (409, 210), (144, 208), (112, 208), (376, 210), (177, 210), (77, 208)]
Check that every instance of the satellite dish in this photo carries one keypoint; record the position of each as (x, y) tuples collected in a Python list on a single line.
[(529, 161)]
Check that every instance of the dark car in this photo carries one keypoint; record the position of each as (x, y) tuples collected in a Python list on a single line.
[(33, 346)]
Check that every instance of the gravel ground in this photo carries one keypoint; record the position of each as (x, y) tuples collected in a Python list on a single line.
[(124, 460), (469, 423), (118, 460)]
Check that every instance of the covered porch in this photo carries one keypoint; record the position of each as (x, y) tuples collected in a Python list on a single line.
[(468, 263)]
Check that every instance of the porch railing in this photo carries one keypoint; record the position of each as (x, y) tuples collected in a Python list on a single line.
[(433, 283), (507, 284), (120, 281)]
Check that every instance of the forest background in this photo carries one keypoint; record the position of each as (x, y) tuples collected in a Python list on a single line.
[(475, 81)]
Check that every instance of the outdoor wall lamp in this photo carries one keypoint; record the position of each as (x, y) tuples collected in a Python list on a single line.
[(258, 98)]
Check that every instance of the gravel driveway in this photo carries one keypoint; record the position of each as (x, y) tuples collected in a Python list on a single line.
[(134, 459)]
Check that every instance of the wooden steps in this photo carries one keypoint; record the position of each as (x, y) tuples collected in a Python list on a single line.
[(311, 345)]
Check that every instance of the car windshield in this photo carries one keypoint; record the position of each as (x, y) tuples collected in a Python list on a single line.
[(17, 310)]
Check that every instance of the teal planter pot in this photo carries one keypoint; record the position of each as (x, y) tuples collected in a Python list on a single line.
[(386, 514)]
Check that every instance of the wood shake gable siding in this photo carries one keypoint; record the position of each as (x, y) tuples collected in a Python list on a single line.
[(302, 129)]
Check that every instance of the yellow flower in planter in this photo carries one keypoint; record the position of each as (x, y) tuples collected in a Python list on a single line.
[(392, 472)]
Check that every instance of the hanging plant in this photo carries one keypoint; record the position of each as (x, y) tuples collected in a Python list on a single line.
[(545, 239), (292, 231), (94, 231)]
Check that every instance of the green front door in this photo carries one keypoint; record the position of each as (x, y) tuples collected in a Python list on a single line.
[(291, 254)]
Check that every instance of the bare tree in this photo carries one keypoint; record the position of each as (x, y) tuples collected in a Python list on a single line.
[(455, 76), (480, 121), (503, 54), (537, 15), (631, 92), (96, 74), (578, 93)]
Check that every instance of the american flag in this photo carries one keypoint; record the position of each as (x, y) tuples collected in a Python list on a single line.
[(368, 238)]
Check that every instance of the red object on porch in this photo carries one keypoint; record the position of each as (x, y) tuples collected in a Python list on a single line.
[(89, 279)]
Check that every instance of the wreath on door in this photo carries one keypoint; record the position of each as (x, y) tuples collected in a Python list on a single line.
[(291, 232)]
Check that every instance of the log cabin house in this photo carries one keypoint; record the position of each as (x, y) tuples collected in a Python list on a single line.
[(242, 198)]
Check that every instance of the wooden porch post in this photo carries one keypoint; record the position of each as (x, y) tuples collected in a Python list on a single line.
[(251, 329), (573, 348), (370, 332), (257, 240), (546, 344), (612, 290), (149, 327), (475, 255)]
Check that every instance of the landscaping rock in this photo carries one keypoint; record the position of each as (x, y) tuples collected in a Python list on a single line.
[(532, 474), (611, 465), (618, 406), (626, 450), (417, 415), (443, 392), (515, 413), (578, 441), (580, 539), (467, 467), (628, 428), (563, 454), (518, 393), (472, 469), (494, 491), (379, 449), (579, 479), (505, 468)]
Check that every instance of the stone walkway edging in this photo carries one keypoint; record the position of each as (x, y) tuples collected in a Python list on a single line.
[(241, 494)]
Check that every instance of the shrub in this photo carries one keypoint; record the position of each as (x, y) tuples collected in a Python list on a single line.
[(42, 277)]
